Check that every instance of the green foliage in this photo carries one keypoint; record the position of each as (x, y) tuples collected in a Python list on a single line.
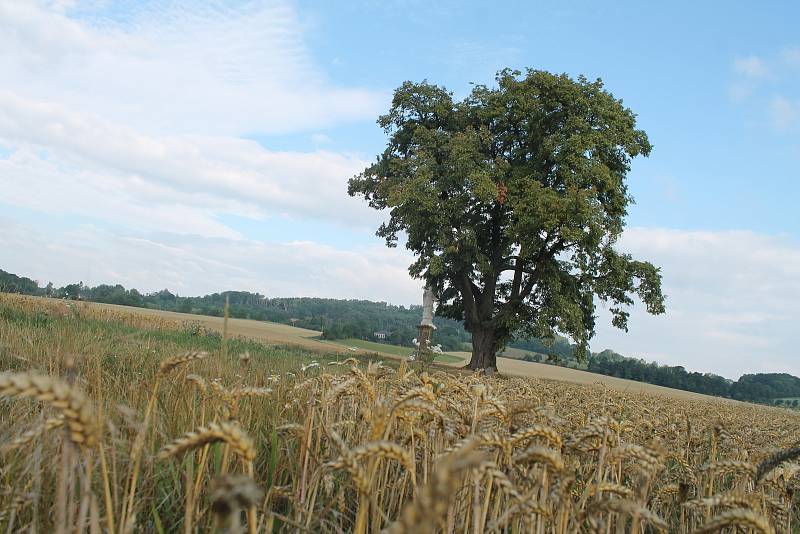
[(337, 319), (767, 388), (11, 283), (512, 200), (557, 346), (114, 295)]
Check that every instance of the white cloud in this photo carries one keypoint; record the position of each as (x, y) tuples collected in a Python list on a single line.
[(751, 67), (140, 123), (71, 155), (784, 112), (192, 265), (751, 72), (755, 75), (203, 68), (731, 302), (791, 56)]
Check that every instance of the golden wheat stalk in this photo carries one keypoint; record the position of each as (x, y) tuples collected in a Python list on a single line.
[(340, 389), (171, 363), (199, 382), (484, 439), (739, 517), (420, 406), (736, 467), (230, 433), (346, 462), (384, 449), (729, 500), (773, 461), (496, 407), (612, 487), (542, 455), (425, 512), (28, 436), (642, 456), (365, 382), (423, 392), (504, 483), (78, 412), (537, 431), (128, 518), (626, 506), (250, 392), (229, 494)]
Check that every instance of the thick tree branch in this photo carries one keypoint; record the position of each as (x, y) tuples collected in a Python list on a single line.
[(469, 291)]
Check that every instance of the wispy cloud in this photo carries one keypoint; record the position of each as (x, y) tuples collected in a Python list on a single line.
[(197, 67), (785, 113), (751, 67), (791, 56), (192, 265), (69, 155), (750, 73), (770, 84), (138, 119)]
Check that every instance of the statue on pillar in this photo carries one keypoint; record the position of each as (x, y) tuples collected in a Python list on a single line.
[(427, 308), (426, 327)]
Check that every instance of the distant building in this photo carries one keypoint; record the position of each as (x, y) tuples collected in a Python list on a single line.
[(381, 334)]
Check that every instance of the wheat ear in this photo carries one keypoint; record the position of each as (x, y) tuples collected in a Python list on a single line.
[(78, 412), (426, 511), (740, 517), (230, 433), (29, 435), (775, 460), (171, 363)]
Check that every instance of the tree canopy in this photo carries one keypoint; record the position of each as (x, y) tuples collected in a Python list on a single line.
[(512, 200)]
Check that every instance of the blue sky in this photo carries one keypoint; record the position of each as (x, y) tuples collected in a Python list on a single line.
[(205, 146), (716, 157)]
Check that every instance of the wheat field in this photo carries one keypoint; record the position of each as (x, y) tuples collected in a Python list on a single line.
[(281, 334), (117, 422)]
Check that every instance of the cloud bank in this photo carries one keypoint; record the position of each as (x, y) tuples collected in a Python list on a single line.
[(144, 120), (731, 302)]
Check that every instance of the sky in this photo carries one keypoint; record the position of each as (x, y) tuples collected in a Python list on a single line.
[(206, 146)]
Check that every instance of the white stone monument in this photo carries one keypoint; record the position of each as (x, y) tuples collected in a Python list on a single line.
[(426, 328), (427, 308)]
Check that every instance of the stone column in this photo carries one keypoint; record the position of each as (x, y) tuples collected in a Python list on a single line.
[(426, 327)]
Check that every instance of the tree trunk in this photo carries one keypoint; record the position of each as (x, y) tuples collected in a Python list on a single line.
[(484, 350)]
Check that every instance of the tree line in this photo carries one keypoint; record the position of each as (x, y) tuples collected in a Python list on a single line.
[(336, 319), (765, 388)]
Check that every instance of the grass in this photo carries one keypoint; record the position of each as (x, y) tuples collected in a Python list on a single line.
[(373, 346), (118, 422), (395, 350), (511, 352), (521, 354), (128, 343), (264, 331)]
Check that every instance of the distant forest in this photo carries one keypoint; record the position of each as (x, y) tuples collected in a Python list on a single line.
[(362, 319)]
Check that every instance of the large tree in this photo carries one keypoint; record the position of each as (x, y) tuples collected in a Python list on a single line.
[(512, 201)]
